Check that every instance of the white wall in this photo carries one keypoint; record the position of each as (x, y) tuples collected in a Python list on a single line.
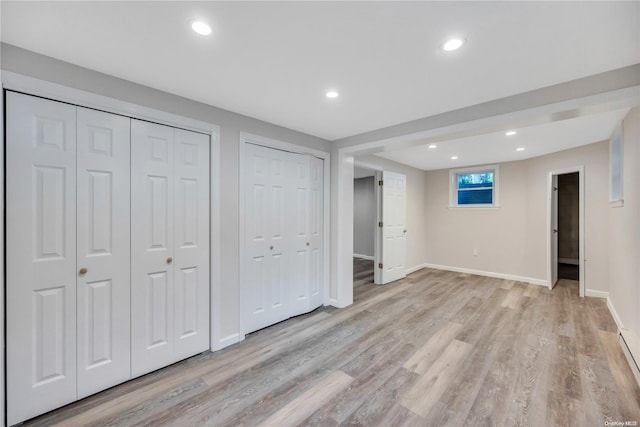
[(512, 239), (231, 124), (364, 216), (417, 217), (624, 230)]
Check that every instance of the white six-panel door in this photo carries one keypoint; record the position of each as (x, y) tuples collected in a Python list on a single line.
[(41, 257), (152, 247), (191, 263), (74, 267), (394, 226), (267, 248), (103, 249), (283, 236), (169, 246), (316, 230)]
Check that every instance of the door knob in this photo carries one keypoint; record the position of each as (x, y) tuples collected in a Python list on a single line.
[(83, 270), (169, 260)]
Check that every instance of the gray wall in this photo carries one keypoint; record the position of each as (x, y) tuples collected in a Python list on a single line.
[(624, 231), (31, 64), (512, 239), (364, 216)]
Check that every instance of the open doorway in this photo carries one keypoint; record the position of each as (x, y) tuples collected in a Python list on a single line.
[(566, 228), (364, 230)]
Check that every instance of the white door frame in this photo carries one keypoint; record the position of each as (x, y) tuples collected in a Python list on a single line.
[(248, 138), (581, 256), (45, 89)]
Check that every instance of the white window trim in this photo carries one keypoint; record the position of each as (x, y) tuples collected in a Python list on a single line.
[(453, 187)]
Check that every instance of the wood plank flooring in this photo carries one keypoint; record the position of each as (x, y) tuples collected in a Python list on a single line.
[(435, 349)]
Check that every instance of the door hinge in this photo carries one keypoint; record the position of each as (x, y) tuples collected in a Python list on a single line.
[(380, 182), (555, 188), (379, 265), (379, 223)]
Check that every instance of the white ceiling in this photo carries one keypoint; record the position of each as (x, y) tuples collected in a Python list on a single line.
[(275, 60), (496, 147)]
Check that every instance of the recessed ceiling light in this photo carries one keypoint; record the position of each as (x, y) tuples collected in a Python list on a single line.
[(432, 146), (452, 44), (520, 149), (454, 157), (332, 94), (201, 28), (511, 133)]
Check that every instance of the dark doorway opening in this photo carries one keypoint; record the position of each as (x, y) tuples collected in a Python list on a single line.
[(569, 226)]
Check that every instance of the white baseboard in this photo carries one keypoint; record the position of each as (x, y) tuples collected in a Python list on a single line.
[(370, 258), (614, 314), (416, 268), (531, 280), (596, 294), (629, 342), (227, 341)]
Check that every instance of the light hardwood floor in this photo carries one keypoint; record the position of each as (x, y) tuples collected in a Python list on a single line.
[(435, 349)]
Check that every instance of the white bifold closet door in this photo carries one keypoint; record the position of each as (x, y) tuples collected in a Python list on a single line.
[(169, 246), (283, 232), (67, 210), (103, 249)]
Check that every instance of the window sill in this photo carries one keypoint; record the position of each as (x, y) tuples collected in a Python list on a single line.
[(473, 208), (616, 203)]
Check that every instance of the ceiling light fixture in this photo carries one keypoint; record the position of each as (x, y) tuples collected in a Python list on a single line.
[(332, 94), (452, 44), (201, 28), (454, 157), (432, 146), (511, 133), (520, 149)]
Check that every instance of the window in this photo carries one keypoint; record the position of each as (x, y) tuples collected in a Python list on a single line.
[(476, 187)]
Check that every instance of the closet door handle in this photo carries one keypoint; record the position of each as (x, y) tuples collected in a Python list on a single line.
[(169, 260), (271, 247), (83, 270), (307, 243)]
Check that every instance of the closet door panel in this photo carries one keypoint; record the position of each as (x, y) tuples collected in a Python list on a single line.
[(300, 268), (152, 246), (41, 260), (267, 249), (316, 195), (192, 243), (103, 222)]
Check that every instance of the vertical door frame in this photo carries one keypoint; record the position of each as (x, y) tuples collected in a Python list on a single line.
[(2, 269), (45, 89), (248, 138), (581, 204)]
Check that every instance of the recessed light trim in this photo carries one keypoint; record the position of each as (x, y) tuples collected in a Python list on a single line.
[(453, 44), (454, 157), (520, 149), (510, 132), (332, 94), (201, 28), (432, 146)]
